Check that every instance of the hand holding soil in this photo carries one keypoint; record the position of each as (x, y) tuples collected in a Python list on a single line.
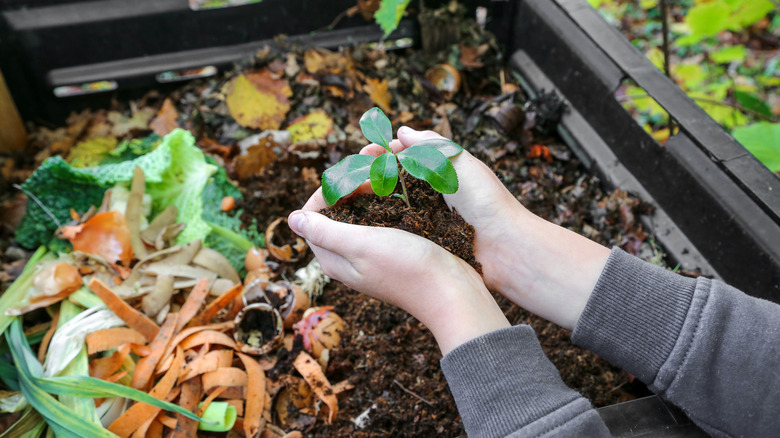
[(405, 270), (540, 266)]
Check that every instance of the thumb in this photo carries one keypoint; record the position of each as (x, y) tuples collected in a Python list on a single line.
[(409, 136), (319, 230)]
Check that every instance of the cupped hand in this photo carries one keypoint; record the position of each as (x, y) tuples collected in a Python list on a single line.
[(542, 267), (482, 201), (405, 270)]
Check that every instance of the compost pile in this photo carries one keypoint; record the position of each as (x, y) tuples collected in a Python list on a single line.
[(165, 265)]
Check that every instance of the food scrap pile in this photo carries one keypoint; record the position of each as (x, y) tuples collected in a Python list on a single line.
[(143, 306), (166, 299)]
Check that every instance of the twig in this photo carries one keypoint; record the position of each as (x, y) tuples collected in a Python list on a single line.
[(403, 187), (349, 12), (40, 204), (412, 393), (665, 30), (711, 101)]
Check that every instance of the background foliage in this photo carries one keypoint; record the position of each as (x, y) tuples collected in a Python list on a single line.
[(725, 54)]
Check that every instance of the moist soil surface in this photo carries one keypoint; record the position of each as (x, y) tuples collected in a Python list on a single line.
[(427, 215)]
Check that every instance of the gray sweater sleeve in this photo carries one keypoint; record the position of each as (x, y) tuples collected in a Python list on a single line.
[(701, 344), (504, 385)]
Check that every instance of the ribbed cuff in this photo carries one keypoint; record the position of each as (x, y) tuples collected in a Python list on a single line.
[(635, 314), (502, 381)]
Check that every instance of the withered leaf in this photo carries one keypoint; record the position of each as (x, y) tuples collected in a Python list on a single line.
[(313, 126), (256, 158), (377, 91), (470, 55), (165, 122), (258, 100), (367, 8), (123, 124)]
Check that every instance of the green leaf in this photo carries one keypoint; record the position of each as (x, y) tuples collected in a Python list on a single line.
[(447, 147), (691, 74), (389, 14), (384, 174), (84, 298), (747, 12), (9, 376), (729, 54), (30, 425), (707, 19), (182, 183), (345, 177), (60, 187), (84, 386), (753, 102), (79, 366), (376, 127), (228, 234), (763, 141), (62, 420), (430, 165)]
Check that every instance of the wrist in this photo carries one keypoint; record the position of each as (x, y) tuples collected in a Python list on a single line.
[(460, 309), (549, 270)]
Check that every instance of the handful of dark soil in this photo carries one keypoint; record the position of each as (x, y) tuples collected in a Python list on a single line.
[(429, 217)]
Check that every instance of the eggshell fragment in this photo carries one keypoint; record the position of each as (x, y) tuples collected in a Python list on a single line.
[(283, 244), (255, 259), (258, 329)]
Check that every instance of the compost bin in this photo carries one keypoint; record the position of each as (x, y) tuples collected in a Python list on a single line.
[(717, 209)]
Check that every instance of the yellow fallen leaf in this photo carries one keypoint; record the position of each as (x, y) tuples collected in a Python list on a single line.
[(313, 61), (377, 91), (258, 100), (313, 126), (91, 152)]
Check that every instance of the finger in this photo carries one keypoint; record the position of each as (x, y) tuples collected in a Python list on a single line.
[(377, 150), (316, 202), (335, 266), (325, 233), (409, 136)]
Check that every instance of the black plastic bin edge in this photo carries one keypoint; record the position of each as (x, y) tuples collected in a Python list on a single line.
[(728, 221)]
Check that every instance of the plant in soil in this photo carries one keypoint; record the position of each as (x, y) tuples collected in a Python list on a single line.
[(426, 160)]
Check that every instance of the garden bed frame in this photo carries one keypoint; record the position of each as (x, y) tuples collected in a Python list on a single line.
[(717, 207)]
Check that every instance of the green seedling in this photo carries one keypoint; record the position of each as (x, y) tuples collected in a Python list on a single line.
[(427, 160)]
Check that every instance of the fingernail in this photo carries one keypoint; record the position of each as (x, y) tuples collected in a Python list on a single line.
[(402, 129), (297, 221)]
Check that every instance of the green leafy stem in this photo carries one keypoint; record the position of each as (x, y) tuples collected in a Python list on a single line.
[(427, 160)]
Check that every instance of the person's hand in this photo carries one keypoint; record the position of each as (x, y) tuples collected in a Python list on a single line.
[(542, 267), (405, 270)]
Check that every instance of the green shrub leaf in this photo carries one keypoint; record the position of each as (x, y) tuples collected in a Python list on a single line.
[(345, 176), (762, 140), (384, 174), (729, 54), (389, 14), (753, 102), (707, 19), (430, 165), (447, 147), (377, 127)]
